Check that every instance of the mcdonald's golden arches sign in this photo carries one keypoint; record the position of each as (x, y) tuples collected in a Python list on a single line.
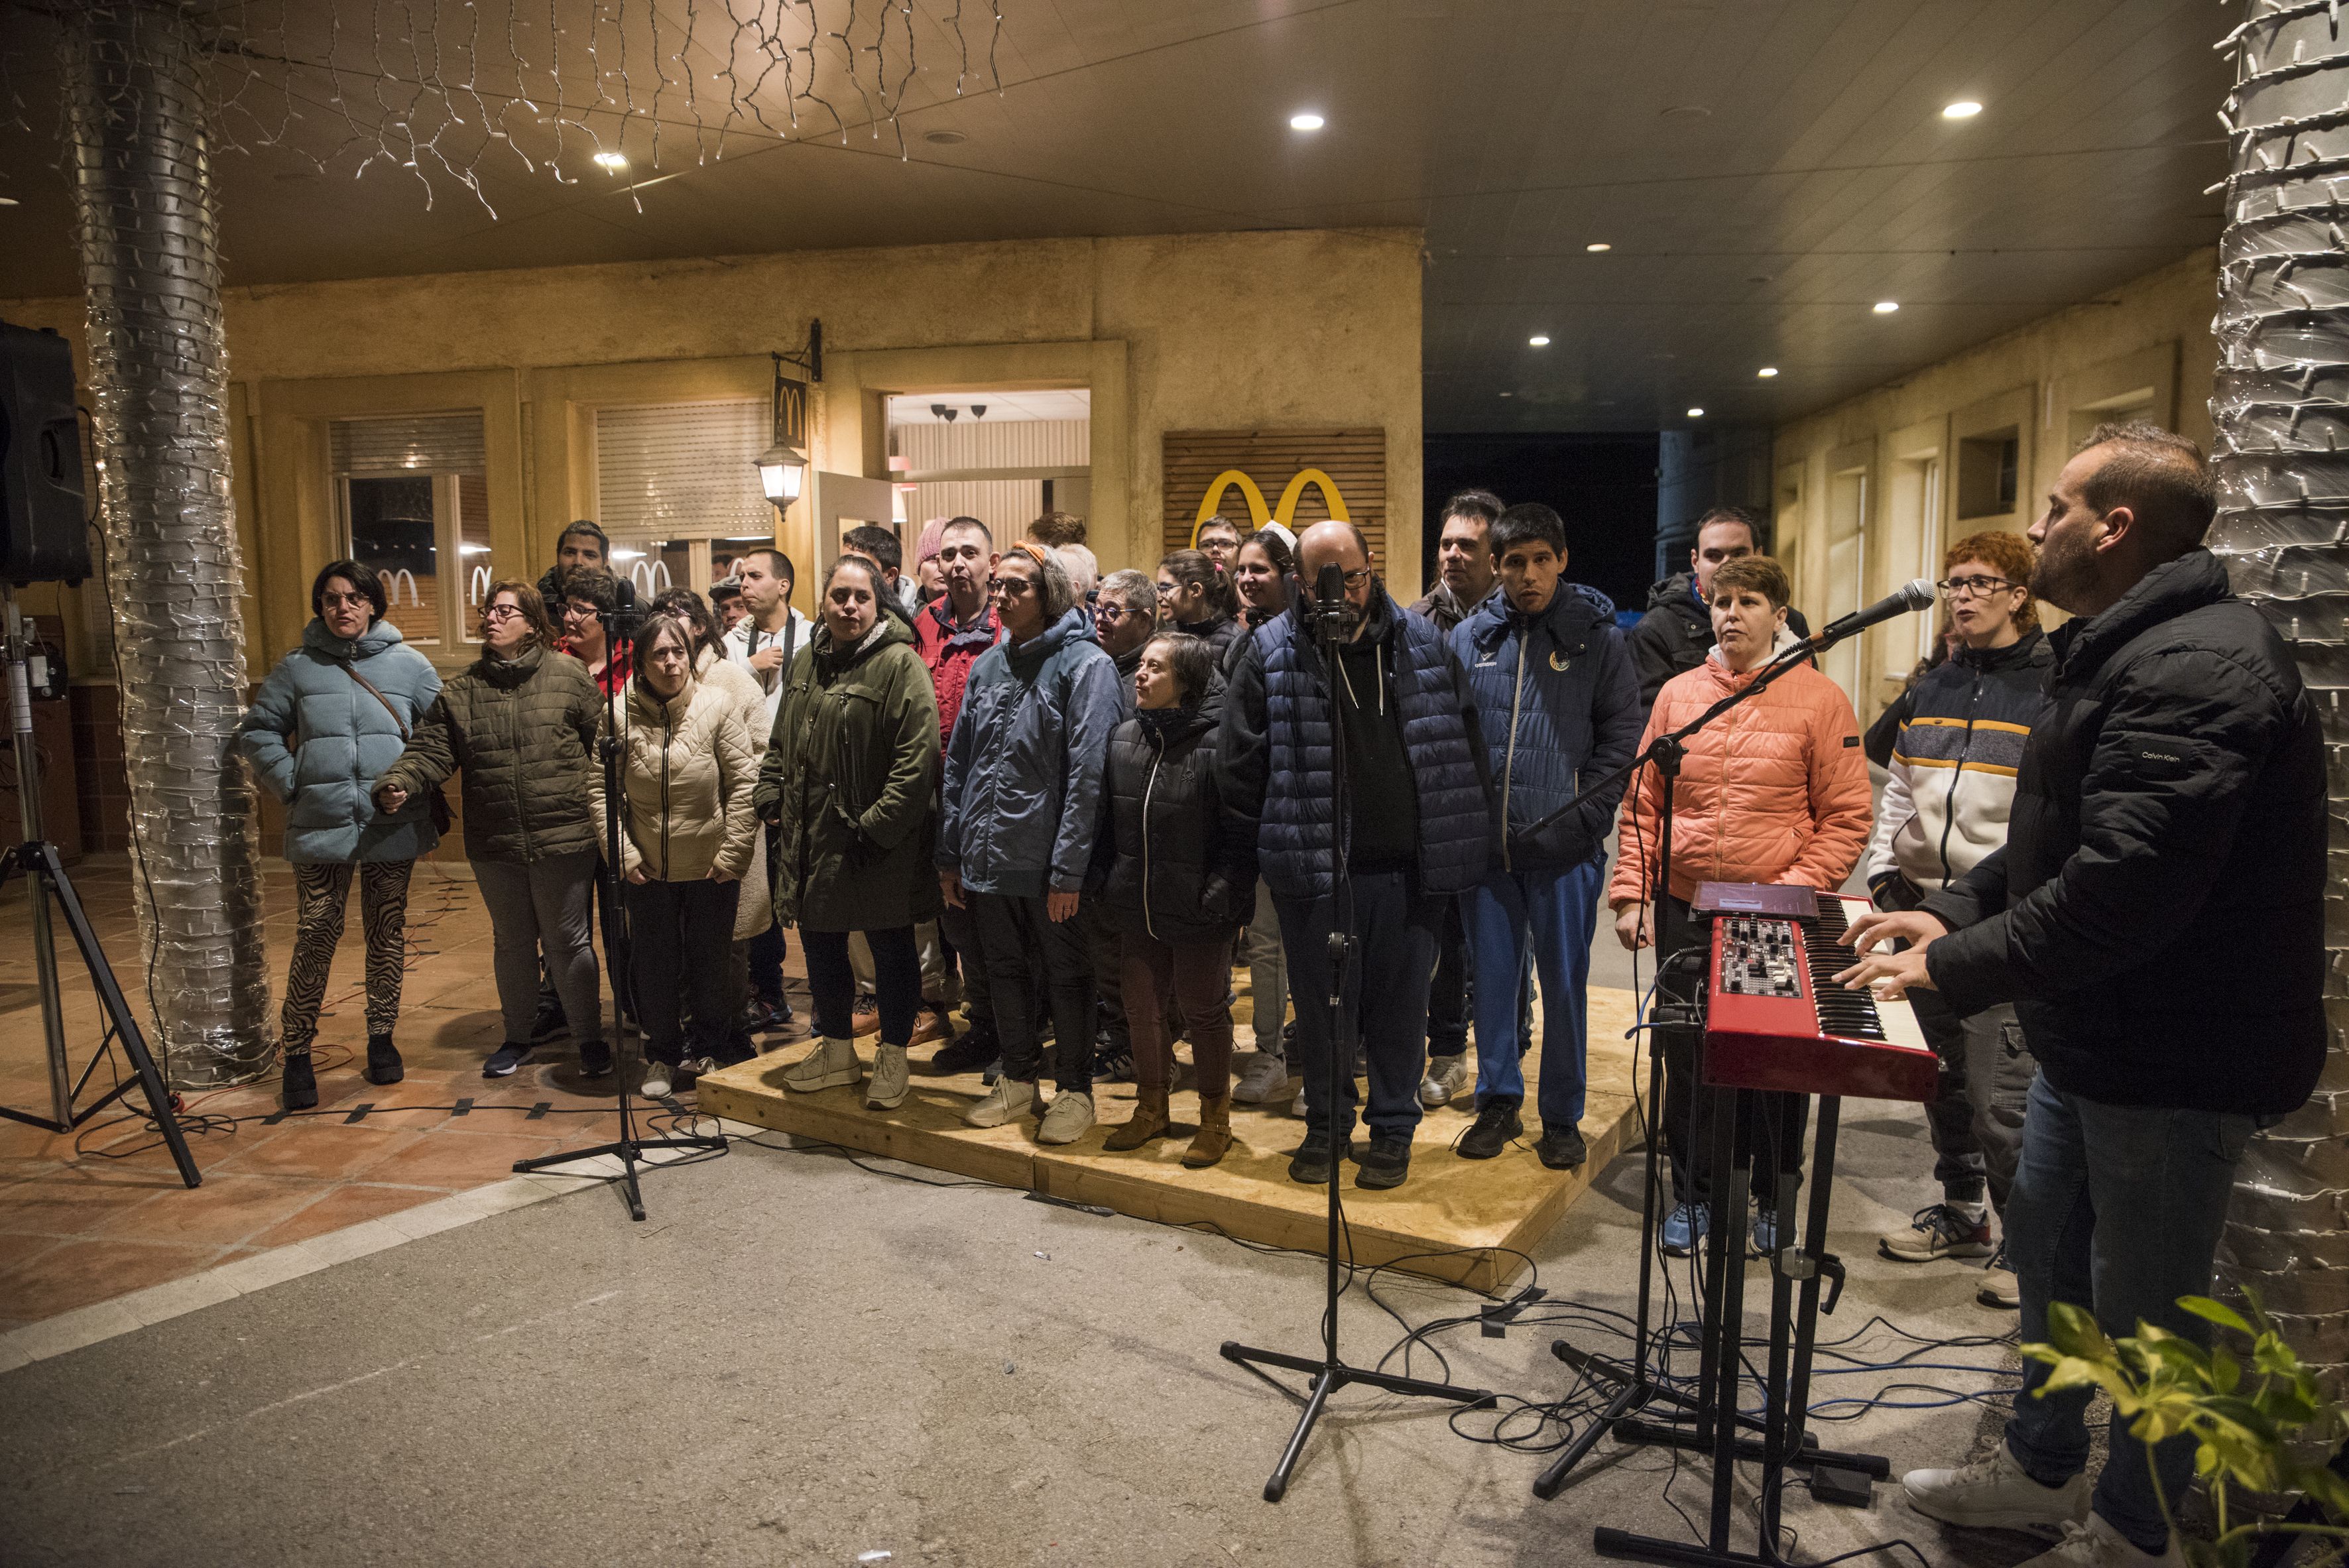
[(1292, 477)]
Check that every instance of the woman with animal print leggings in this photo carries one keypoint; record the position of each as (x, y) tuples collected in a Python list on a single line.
[(333, 715)]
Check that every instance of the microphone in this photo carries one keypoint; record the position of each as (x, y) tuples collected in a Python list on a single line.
[(624, 603), (1915, 594), (1329, 599)]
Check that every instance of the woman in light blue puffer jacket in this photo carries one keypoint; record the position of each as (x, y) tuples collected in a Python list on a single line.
[(333, 715)]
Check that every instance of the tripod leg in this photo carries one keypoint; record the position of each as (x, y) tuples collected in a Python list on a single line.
[(109, 995), (1324, 1382)]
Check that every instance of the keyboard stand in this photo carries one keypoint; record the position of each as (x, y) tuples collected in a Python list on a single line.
[(1718, 1428)]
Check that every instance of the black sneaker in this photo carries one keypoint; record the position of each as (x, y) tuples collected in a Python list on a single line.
[(384, 1065), (1112, 1063), (1496, 1123), (595, 1058), (975, 1049), (1562, 1148), (1312, 1162), (1386, 1164), (550, 1021), (504, 1060), (299, 1089)]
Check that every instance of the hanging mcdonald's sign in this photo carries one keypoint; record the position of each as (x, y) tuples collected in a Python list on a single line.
[(1322, 473)]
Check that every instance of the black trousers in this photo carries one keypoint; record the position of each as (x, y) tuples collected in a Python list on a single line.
[(681, 943), (896, 982), (1036, 964), (1449, 1008), (1777, 1122)]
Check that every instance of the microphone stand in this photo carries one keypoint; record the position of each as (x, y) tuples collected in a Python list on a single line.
[(1637, 1385), (611, 748), (1330, 1373)]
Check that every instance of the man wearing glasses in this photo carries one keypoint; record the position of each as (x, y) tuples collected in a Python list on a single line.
[(1962, 728), (1414, 837)]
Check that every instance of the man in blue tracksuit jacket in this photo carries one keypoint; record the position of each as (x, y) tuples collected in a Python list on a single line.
[(1557, 697), (1414, 835)]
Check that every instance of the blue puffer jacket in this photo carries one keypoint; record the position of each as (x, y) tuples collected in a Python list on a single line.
[(1558, 697), (1021, 802), (318, 740), (1273, 758)]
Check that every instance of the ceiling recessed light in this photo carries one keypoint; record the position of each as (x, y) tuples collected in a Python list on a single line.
[(1596, 246), (1696, 413), (1887, 306), (1305, 122), (945, 138), (1688, 111), (1508, 394), (1539, 341), (1964, 109), (7, 201), (1766, 372), (614, 160)]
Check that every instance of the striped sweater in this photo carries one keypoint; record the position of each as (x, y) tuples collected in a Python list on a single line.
[(1954, 765)]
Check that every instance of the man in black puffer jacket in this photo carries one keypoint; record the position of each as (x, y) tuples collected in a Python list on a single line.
[(2157, 917), (1676, 633)]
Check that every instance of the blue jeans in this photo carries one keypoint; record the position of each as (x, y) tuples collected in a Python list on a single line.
[(2119, 1208), (1552, 914), (1385, 999)]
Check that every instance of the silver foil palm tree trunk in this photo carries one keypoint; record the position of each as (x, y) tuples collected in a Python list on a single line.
[(137, 154), (2281, 414)]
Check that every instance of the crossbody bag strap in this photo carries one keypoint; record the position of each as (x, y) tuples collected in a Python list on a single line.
[(377, 693)]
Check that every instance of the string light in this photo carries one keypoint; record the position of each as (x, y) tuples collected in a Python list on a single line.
[(425, 87)]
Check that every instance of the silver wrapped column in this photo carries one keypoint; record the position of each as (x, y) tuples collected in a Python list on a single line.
[(138, 156), (2280, 409)]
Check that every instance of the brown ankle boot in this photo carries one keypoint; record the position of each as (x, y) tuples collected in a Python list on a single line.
[(1214, 1134), (1149, 1121)]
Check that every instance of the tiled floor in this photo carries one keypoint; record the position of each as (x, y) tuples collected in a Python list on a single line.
[(95, 1215)]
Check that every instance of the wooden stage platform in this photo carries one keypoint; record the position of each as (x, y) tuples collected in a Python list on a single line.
[(1464, 1213)]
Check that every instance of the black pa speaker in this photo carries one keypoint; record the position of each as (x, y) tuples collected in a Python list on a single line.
[(43, 535)]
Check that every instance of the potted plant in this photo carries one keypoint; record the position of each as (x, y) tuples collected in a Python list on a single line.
[(2253, 1422)]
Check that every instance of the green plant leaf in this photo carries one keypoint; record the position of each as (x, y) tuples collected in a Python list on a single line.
[(2217, 1312)]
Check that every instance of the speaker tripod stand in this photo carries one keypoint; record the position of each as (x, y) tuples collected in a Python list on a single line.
[(38, 862)]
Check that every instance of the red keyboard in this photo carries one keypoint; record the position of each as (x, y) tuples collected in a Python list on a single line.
[(1775, 1019)]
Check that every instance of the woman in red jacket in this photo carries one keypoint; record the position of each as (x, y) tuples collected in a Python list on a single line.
[(1775, 791)]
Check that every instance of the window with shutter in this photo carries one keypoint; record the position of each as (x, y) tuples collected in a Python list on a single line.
[(672, 479), (414, 495)]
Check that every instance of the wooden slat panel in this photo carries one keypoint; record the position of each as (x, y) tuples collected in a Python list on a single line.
[(1355, 460)]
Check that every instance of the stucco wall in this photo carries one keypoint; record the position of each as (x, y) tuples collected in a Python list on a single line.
[(1218, 331), (1880, 471)]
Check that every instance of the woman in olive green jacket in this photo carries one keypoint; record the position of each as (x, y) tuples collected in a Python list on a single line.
[(849, 778), (520, 725)]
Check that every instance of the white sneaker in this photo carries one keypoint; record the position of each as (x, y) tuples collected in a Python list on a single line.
[(1262, 1079), (830, 1065), (2096, 1545), (1446, 1076), (1994, 1493), (1070, 1118), (891, 1081), (1008, 1101), (655, 1083), (1297, 1106)]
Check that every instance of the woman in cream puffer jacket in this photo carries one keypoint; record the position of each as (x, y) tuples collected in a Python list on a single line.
[(686, 835)]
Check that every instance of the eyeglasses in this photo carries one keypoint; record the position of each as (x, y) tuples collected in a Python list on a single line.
[(1358, 577), (500, 612), (1110, 614), (1979, 587), (572, 611), (1010, 587), (353, 599)]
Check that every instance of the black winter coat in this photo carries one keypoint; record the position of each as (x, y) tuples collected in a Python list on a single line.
[(2156, 915), (1180, 872)]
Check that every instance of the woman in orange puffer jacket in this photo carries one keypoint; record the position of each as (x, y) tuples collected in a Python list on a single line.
[(1775, 791)]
